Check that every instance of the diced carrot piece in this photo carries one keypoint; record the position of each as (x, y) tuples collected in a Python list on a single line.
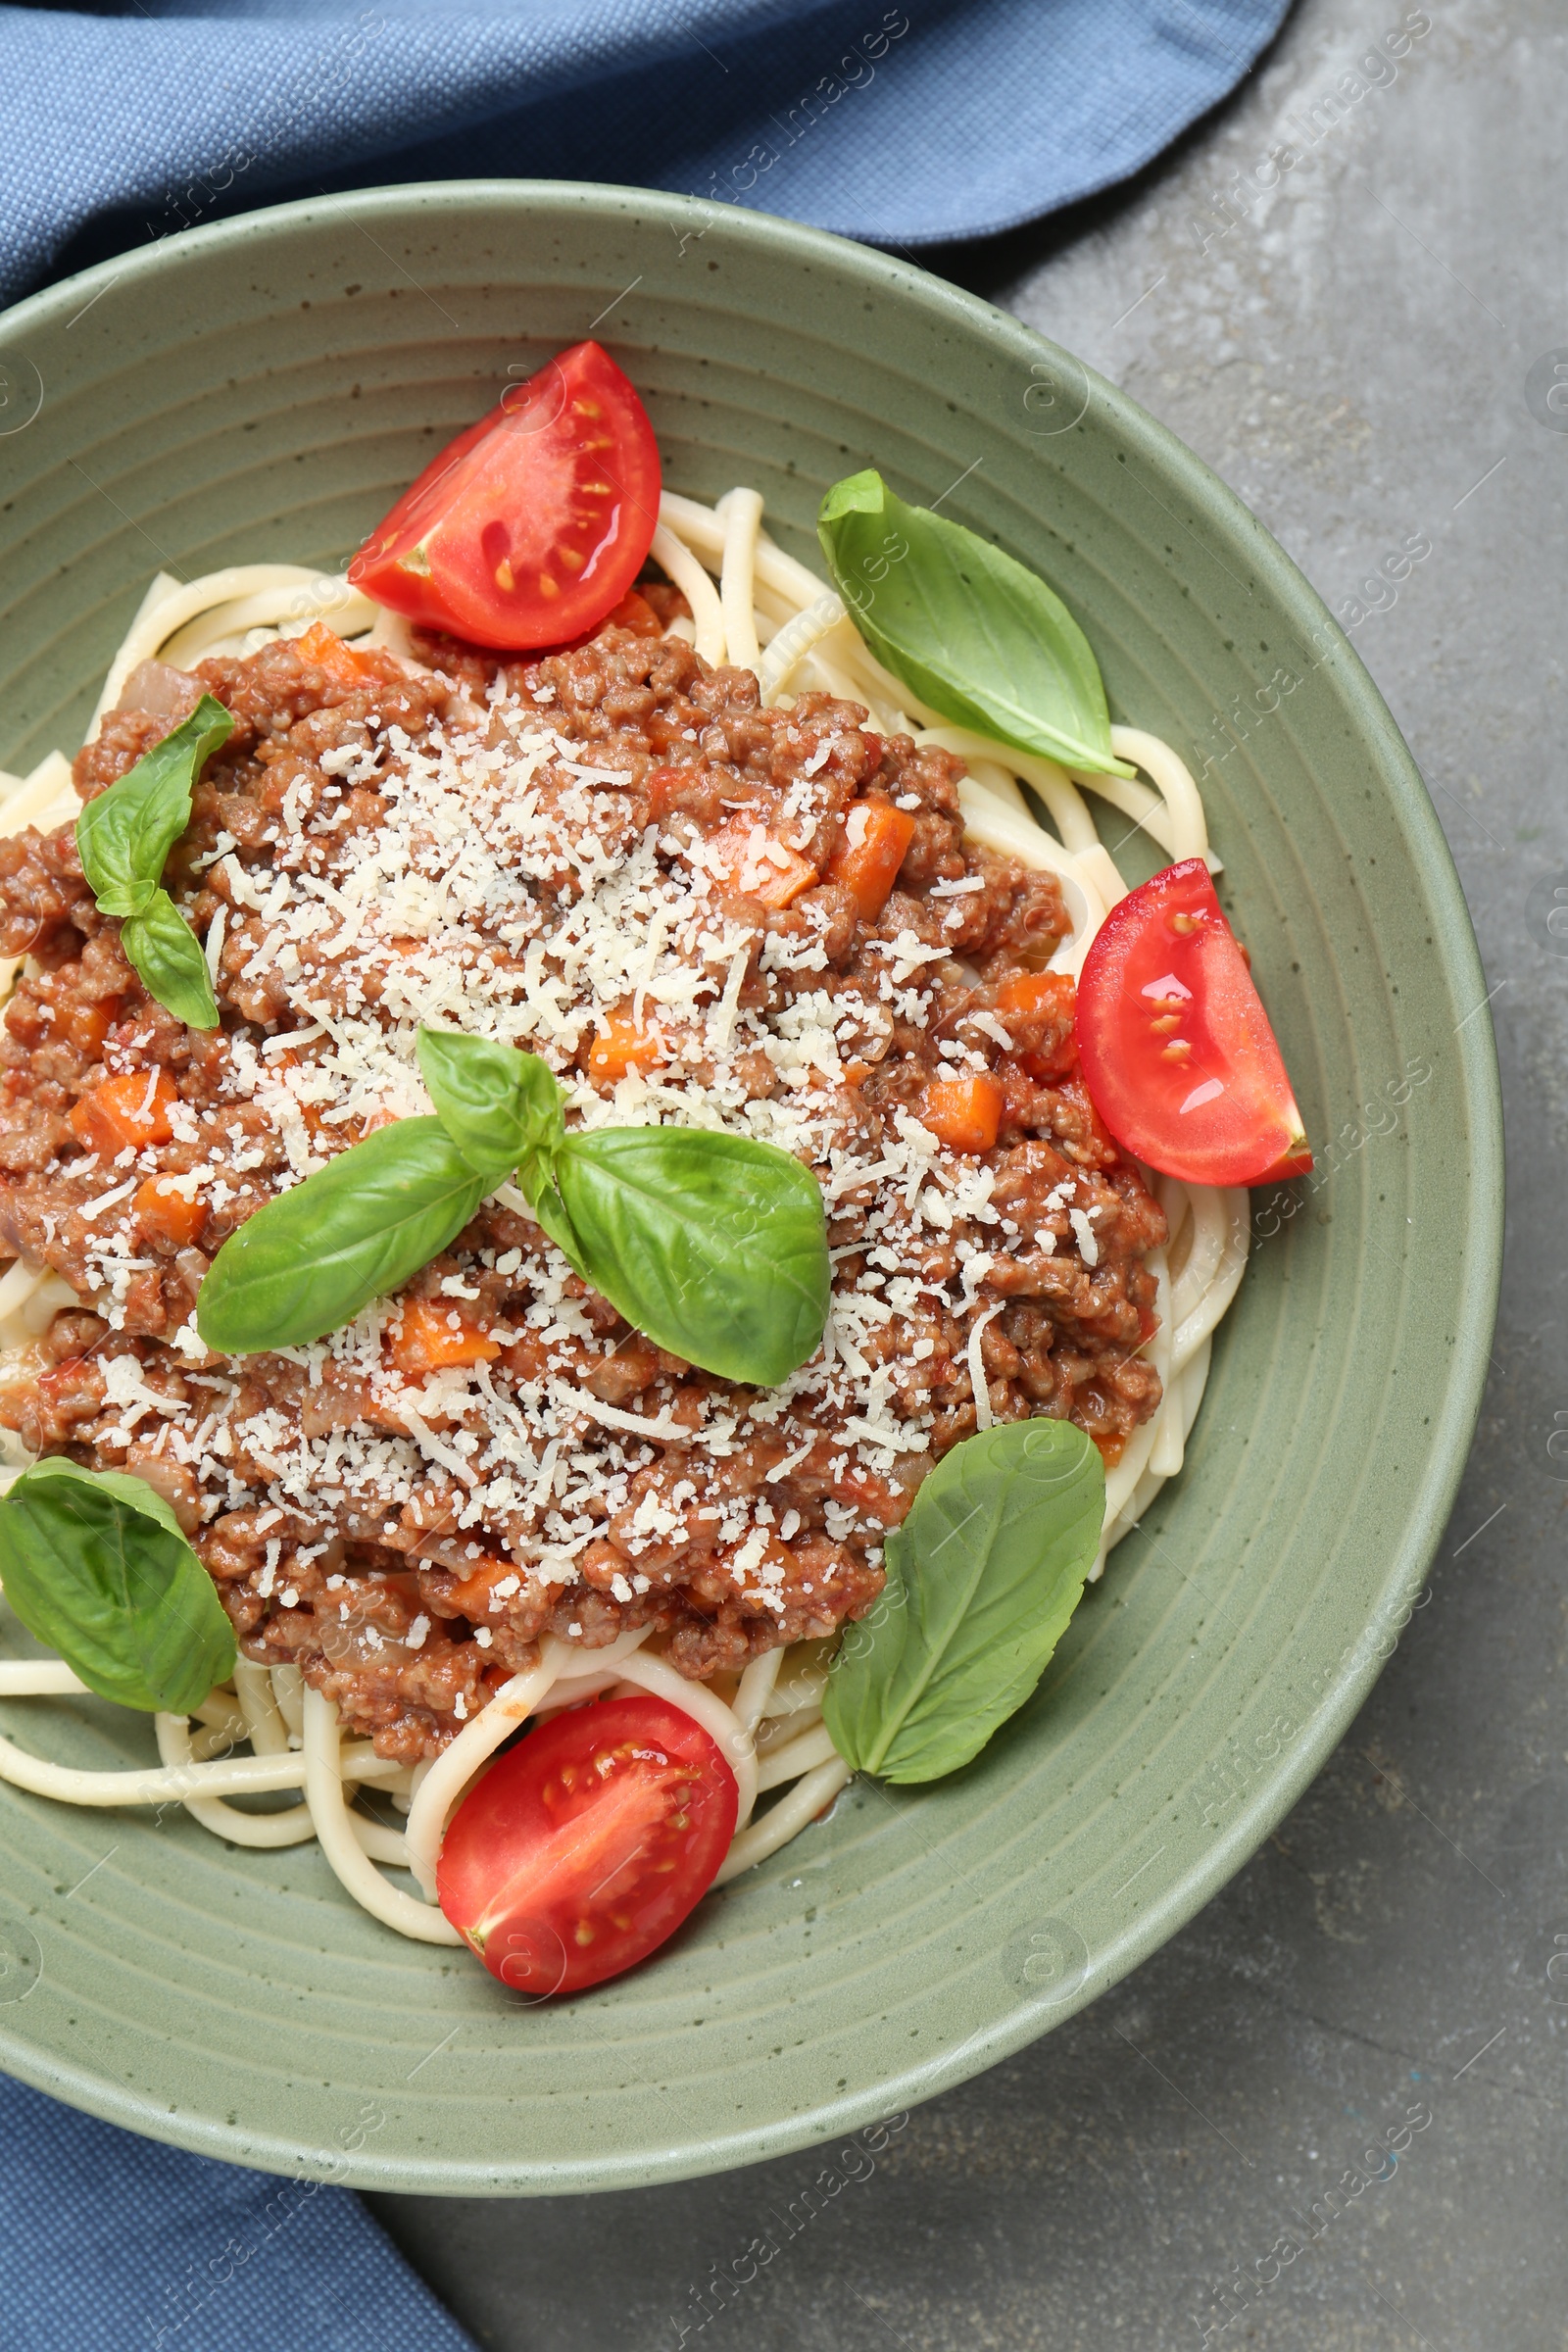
[(165, 1213), (622, 1047), (746, 857), (472, 1595), (428, 1340), (88, 1025), (876, 837), (636, 614), (662, 784), (326, 649), (1050, 1068), (1044, 997), (314, 1113), (1051, 994), (311, 1112), (964, 1113), (129, 1109)]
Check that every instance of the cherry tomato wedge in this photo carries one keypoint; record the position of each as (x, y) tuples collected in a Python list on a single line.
[(588, 1843), (532, 525), (1174, 1043)]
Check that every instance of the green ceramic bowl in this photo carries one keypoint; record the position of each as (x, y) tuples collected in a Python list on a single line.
[(262, 389)]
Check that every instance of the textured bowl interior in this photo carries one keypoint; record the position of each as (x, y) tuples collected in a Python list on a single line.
[(262, 389)]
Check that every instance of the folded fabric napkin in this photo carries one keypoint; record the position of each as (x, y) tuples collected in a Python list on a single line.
[(115, 2245), (901, 125), (904, 124)]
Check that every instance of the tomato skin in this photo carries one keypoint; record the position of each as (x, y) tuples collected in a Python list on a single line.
[(587, 1844), (1187, 1076), (530, 527)]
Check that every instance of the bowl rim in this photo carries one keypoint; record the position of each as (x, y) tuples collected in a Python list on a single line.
[(1282, 1780)]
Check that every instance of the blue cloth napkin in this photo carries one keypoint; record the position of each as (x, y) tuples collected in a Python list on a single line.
[(113, 2243), (900, 124)]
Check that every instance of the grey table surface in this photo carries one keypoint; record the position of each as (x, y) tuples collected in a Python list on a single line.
[(1355, 349)]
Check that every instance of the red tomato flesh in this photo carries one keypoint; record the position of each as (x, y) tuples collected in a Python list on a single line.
[(1174, 1043), (532, 525), (588, 1843)]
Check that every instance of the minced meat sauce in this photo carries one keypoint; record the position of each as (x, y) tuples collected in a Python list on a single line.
[(590, 856)]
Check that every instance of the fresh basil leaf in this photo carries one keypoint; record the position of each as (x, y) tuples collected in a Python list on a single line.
[(536, 1181), (165, 951), (495, 1103), (982, 1578), (978, 636), (355, 1230), (94, 1564), (714, 1245), (123, 838)]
